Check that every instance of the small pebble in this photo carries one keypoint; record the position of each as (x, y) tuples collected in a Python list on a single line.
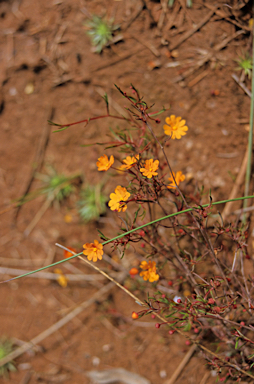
[(106, 347), (163, 374), (224, 132), (29, 89), (95, 361), (24, 366), (13, 91)]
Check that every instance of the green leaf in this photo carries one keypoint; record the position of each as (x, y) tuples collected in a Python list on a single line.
[(103, 237), (105, 97), (136, 214), (61, 129), (187, 327), (52, 123), (158, 113), (89, 145)]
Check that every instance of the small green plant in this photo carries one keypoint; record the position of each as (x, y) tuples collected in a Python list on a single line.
[(188, 3), (56, 186), (100, 32), (244, 64), (5, 349), (92, 203)]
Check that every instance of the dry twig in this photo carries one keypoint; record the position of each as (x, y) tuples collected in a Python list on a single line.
[(59, 324), (237, 185), (242, 85), (191, 32), (182, 365)]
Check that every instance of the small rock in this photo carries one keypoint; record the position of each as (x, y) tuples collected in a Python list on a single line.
[(163, 374), (29, 89), (95, 361), (24, 366)]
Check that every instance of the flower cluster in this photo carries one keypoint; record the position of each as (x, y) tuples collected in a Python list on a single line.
[(149, 271), (117, 199), (93, 251)]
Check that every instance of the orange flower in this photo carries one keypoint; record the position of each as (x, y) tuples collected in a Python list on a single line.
[(175, 127), (130, 161), (150, 168), (93, 251), (104, 163), (61, 279), (117, 199), (149, 271), (69, 254), (178, 178)]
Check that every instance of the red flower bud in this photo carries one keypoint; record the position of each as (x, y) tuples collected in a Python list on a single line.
[(242, 323), (171, 332), (133, 271), (153, 316), (170, 283), (157, 325), (134, 315), (187, 342), (211, 301)]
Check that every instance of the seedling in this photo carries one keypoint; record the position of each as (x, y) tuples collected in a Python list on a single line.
[(5, 349), (188, 3), (92, 203), (100, 31), (56, 186), (245, 65)]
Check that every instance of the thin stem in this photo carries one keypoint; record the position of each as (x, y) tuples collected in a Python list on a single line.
[(250, 139), (127, 233)]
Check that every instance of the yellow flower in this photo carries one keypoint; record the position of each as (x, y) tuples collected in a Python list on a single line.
[(149, 271), (61, 279), (104, 163), (178, 178), (93, 251), (117, 199), (130, 161), (175, 127), (150, 168)]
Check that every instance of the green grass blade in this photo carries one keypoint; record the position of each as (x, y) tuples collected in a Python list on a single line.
[(128, 232)]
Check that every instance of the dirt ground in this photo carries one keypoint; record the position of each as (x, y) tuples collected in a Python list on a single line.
[(49, 71)]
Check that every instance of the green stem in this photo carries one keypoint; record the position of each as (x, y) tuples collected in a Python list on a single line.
[(250, 140), (129, 232)]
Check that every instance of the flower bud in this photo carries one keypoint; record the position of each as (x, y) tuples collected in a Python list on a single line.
[(157, 325), (133, 271), (134, 315)]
